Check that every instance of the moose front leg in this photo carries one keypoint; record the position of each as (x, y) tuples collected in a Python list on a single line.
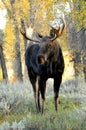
[(34, 82), (57, 82), (37, 100), (42, 86)]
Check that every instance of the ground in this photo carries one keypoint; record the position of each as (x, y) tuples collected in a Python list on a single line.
[(17, 107)]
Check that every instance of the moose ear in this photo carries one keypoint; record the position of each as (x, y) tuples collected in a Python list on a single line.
[(39, 36)]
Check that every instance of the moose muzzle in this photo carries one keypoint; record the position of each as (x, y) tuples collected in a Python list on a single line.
[(41, 59)]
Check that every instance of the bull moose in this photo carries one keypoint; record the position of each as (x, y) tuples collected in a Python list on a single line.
[(44, 60)]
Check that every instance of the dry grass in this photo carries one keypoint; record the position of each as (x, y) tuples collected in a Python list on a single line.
[(17, 108)]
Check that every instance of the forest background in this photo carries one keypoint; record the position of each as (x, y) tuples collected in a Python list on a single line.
[(41, 13), (17, 108)]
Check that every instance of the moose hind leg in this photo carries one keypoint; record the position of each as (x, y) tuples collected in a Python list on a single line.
[(57, 82)]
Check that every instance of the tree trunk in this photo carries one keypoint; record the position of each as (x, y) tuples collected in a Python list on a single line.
[(3, 65), (84, 53), (17, 61), (82, 39), (72, 40), (77, 61), (32, 12), (84, 68), (25, 40), (25, 46)]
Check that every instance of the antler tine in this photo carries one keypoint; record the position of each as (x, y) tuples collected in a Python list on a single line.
[(29, 31), (59, 30)]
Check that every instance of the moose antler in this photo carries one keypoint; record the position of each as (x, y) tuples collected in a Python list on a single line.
[(30, 34), (58, 26)]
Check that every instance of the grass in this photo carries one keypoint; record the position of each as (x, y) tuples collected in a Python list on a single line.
[(67, 117), (71, 113)]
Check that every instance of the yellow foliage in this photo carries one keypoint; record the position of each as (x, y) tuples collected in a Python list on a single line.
[(1, 5), (0, 74), (9, 41), (22, 9), (79, 13), (43, 14)]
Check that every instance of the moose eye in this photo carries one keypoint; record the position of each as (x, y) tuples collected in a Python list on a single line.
[(49, 45)]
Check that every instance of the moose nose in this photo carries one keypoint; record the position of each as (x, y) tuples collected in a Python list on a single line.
[(41, 59)]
